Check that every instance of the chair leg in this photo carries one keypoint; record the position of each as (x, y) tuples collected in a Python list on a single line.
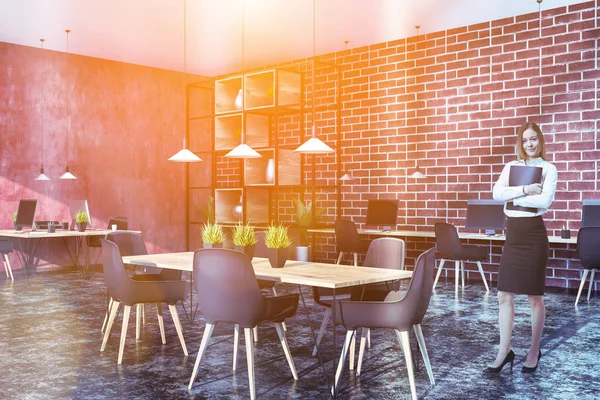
[(462, 272), (123, 333), (456, 273), (161, 322), (585, 272), (236, 343), (352, 351), (7, 267), (340, 257), (368, 338), (177, 323), (326, 317), (143, 314), (356, 259), (340, 368), (138, 319), (255, 333), (404, 340), (361, 350), (591, 284), (483, 276), (208, 330), (421, 341), (110, 301), (286, 349), (275, 294), (442, 261), (114, 307), (250, 360)]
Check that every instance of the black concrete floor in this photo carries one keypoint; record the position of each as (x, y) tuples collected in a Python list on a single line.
[(50, 349)]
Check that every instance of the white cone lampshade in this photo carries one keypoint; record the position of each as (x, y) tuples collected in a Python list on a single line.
[(243, 151), (184, 155)]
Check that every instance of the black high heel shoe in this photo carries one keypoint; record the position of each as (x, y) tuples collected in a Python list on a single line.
[(531, 370), (510, 358)]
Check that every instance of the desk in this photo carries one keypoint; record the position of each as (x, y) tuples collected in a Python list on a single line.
[(31, 244), (294, 272), (431, 234)]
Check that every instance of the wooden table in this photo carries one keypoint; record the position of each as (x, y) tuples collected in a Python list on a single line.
[(431, 234), (31, 244), (323, 275)]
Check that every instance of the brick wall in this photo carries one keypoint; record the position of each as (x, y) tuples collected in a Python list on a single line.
[(451, 102)]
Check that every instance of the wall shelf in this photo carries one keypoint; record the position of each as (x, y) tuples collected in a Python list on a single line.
[(226, 91), (225, 202)]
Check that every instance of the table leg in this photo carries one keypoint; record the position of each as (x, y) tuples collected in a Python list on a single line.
[(310, 324), (191, 317), (28, 251), (333, 364)]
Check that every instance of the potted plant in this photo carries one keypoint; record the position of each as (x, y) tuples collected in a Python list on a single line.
[(81, 220), (212, 235), (304, 219), (277, 241), (244, 239), (14, 217)]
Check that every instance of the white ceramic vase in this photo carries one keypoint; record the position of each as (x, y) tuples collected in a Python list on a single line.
[(270, 171)]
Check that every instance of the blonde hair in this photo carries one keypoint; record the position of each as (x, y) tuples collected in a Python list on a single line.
[(534, 127)]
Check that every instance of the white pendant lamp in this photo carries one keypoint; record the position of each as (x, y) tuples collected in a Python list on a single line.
[(346, 177), (184, 155), (417, 174), (242, 150), (68, 174), (314, 145), (42, 176)]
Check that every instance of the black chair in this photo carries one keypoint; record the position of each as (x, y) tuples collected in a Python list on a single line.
[(125, 290), (398, 312), (348, 240), (588, 247), (228, 292), (132, 244), (6, 247), (450, 248)]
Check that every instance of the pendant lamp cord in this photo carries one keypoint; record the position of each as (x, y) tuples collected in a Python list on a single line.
[(184, 62), (68, 101), (42, 102), (314, 65), (540, 54), (242, 134)]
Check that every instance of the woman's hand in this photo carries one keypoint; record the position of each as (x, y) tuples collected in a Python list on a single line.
[(534, 188)]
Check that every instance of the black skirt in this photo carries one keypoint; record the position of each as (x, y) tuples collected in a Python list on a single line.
[(524, 257)]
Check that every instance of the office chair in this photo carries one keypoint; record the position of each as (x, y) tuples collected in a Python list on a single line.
[(348, 240), (588, 247), (400, 312), (449, 247)]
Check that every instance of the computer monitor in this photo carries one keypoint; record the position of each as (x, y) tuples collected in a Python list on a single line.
[(79, 205), (382, 213), (486, 214), (26, 213), (590, 213)]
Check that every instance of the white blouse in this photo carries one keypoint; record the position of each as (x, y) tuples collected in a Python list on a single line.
[(503, 192)]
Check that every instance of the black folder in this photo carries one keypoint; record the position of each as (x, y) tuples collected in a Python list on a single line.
[(522, 175)]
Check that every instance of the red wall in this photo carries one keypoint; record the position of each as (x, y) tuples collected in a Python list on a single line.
[(125, 121)]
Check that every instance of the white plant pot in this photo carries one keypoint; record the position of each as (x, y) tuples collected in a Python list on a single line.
[(303, 253)]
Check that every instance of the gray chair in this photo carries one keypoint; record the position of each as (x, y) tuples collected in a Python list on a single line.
[(132, 244), (6, 247), (588, 240), (398, 312), (228, 292), (383, 253), (125, 290), (348, 240), (449, 248)]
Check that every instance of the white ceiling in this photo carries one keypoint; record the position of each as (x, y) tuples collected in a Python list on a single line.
[(150, 32)]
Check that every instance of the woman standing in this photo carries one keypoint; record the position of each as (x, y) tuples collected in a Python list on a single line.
[(525, 253)]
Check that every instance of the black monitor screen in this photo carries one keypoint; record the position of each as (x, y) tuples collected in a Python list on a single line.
[(590, 213), (486, 214), (382, 213), (26, 213)]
